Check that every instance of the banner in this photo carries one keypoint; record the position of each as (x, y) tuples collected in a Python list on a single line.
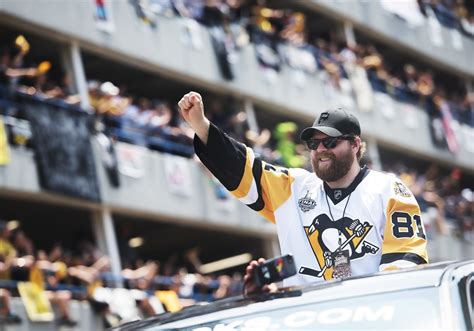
[(300, 58), (178, 175), (468, 138), (437, 132), (364, 94), (447, 120), (103, 15), (146, 14), (131, 160), (337, 93), (434, 28), (409, 115), (190, 33), (408, 10), (345, 94), (4, 149), (19, 131), (38, 308), (221, 198), (109, 158), (267, 55), (221, 49), (384, 104), (63, 150), (456, 39)]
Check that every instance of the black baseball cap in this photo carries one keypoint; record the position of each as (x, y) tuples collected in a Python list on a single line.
[(334, 123)]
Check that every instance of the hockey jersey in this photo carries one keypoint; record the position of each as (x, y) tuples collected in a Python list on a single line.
[(376, 218)]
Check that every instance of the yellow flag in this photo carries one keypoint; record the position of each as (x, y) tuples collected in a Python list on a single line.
[(4, 150), (22, 43), (44, 67), (170, 300), (37, 305)]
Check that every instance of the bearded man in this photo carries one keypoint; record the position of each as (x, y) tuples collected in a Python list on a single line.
[(342, 220)]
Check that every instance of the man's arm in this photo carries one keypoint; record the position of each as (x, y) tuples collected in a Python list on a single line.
[(261, 186)]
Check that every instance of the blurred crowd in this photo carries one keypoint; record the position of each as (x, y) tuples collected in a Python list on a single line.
[(151, 123), (284, 36), (280, 37), (446, 203), (454, 14), (84, 274), (17, 74)]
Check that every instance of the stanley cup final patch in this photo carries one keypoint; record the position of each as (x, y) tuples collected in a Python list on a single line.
[(306, 203)]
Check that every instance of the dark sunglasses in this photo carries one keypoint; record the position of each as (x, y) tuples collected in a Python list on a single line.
[(329, 142)]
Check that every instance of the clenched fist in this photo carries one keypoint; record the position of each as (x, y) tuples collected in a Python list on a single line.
[(192, 110)]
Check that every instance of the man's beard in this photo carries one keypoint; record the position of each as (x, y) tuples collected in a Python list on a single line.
[(339, 166)]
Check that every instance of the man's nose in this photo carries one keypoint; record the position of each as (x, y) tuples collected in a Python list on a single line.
[(321, 148)]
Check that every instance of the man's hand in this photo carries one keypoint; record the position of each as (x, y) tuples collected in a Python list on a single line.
[(192, 110), (249, 285)]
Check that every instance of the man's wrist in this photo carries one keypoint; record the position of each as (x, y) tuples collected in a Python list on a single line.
[(202, 130)]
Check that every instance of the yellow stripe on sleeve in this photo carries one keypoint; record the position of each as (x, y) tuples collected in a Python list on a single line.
[(245, 183), (276, 189)]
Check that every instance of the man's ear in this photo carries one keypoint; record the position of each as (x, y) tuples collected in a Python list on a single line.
[(357, 142)]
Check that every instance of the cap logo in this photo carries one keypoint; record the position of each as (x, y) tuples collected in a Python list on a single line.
[(324, 116)]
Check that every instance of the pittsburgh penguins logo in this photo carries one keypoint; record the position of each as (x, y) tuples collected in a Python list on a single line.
[(326, 237), (400, 189)]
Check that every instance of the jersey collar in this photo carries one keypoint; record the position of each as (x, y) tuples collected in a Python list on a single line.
[(338, 194)]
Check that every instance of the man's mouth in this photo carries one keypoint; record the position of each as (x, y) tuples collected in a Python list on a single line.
[(323, 158)]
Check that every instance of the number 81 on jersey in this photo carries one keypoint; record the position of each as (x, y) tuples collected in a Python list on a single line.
[(402, 225)]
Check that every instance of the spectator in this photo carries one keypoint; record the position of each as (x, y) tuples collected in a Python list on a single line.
[(224, 287), (110, 103), (286, 146), (260, 144), (238, 16), (142, 279), (6, 316), (10, 72), (22, 243), (294, 30), (47, 275), (7, 251), (25, 259)]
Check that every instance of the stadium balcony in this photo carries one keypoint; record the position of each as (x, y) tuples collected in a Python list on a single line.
[(295, 92), (435, 37), (194, 62)]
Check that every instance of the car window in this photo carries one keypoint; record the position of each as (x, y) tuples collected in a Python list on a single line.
[(404, 310)]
